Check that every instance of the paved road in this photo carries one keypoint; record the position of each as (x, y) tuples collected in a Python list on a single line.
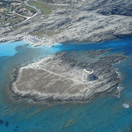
[(37, 13), (20, 14), (28, 18)]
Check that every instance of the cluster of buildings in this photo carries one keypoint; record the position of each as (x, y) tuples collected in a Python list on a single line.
[(35, 41), (24, 11), (13, 12), (18, 8)]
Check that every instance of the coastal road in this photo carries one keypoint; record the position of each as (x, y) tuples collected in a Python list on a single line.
[(27, 18), (37, 13), (20, 15)]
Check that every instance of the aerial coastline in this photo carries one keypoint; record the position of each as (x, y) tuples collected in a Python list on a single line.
[(82, 24), (66, 65), (85, 23)]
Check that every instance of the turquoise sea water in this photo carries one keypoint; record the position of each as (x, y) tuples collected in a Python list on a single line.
[(104, 114)]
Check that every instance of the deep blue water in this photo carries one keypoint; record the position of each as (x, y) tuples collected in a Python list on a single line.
[(104, 114)]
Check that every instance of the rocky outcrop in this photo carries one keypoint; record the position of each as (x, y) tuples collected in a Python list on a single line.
[(59, 78)]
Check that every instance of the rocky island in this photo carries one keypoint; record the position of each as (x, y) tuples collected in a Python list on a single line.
[(64, 77)]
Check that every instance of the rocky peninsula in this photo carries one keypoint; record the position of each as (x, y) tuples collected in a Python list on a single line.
[(68, 77)]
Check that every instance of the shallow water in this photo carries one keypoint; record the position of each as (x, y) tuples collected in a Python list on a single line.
[(104, 114)]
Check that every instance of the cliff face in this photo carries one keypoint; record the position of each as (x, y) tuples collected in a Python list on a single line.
[(92, 21)]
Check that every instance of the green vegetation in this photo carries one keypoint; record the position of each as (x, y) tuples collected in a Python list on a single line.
[(7, 9), (45, 8), (18, 19), (29, 8), (9, 18), (23, 5), (1, 21)]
